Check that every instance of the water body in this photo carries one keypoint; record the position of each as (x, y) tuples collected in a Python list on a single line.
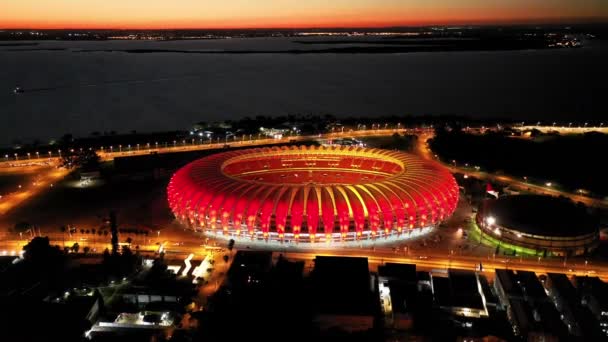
[(81, 87)]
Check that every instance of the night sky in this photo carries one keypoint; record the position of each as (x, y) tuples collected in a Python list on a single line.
[(290, 13)]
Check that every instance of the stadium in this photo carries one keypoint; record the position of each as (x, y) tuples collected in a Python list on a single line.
[(543, 225), (310, 194)]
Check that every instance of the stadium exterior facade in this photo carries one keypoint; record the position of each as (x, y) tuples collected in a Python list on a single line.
[(313, 194)]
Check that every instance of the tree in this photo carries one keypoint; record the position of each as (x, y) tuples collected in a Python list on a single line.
[(106, 256), (22, 227), (226, 258), (86, 249), (129, 241), (75, 247), (114, 230), (82, 231), (230, 244), (80, 159)]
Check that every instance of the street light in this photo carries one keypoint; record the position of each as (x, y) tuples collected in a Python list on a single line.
[(490, 220)]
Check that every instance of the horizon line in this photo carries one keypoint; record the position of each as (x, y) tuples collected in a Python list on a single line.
[(525, 22)]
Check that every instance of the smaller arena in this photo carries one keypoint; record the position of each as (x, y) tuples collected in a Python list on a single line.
[(548, 225)]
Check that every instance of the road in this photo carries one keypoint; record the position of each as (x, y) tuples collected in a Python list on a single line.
[(40, 179), (52, 158), (423, 150), (427, 259)]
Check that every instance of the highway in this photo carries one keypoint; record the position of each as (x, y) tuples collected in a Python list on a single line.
[(107, 153), (425, 259), (422, 149)]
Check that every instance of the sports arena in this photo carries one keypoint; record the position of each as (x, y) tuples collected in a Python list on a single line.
[(544, 225), (309, 194)]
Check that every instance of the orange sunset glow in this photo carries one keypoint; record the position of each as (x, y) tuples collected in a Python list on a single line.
[(53, 14)]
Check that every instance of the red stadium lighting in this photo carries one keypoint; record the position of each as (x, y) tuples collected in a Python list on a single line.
[(313, 194)]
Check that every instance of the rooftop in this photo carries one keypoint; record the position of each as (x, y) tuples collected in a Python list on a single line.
[(542, 215), (341, 285), (401, 272)]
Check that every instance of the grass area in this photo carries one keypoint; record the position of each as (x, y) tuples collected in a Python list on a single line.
[(11, 182), (475, 235)]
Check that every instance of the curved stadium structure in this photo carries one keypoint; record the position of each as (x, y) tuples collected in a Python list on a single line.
[(313, 194), (544, 225)]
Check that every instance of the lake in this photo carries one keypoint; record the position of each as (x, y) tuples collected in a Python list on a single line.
[(80, 87)]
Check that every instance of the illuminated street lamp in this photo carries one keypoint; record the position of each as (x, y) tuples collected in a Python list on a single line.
[(490, 220), (549, 184)]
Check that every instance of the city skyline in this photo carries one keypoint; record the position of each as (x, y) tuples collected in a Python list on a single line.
[(190, 14)]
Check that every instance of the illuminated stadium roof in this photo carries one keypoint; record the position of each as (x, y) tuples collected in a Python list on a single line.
[(313, 193), (542, 215)]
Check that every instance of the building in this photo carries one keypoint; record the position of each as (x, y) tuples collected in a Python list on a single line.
[(594, 295), (249, 269), (398, 289), (540, 225), (313, 194), (579, 319), (460, 293), (343, 293), (532, 314)]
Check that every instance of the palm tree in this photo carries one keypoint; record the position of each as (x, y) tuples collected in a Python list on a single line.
[(82, 231), (63, 230)]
